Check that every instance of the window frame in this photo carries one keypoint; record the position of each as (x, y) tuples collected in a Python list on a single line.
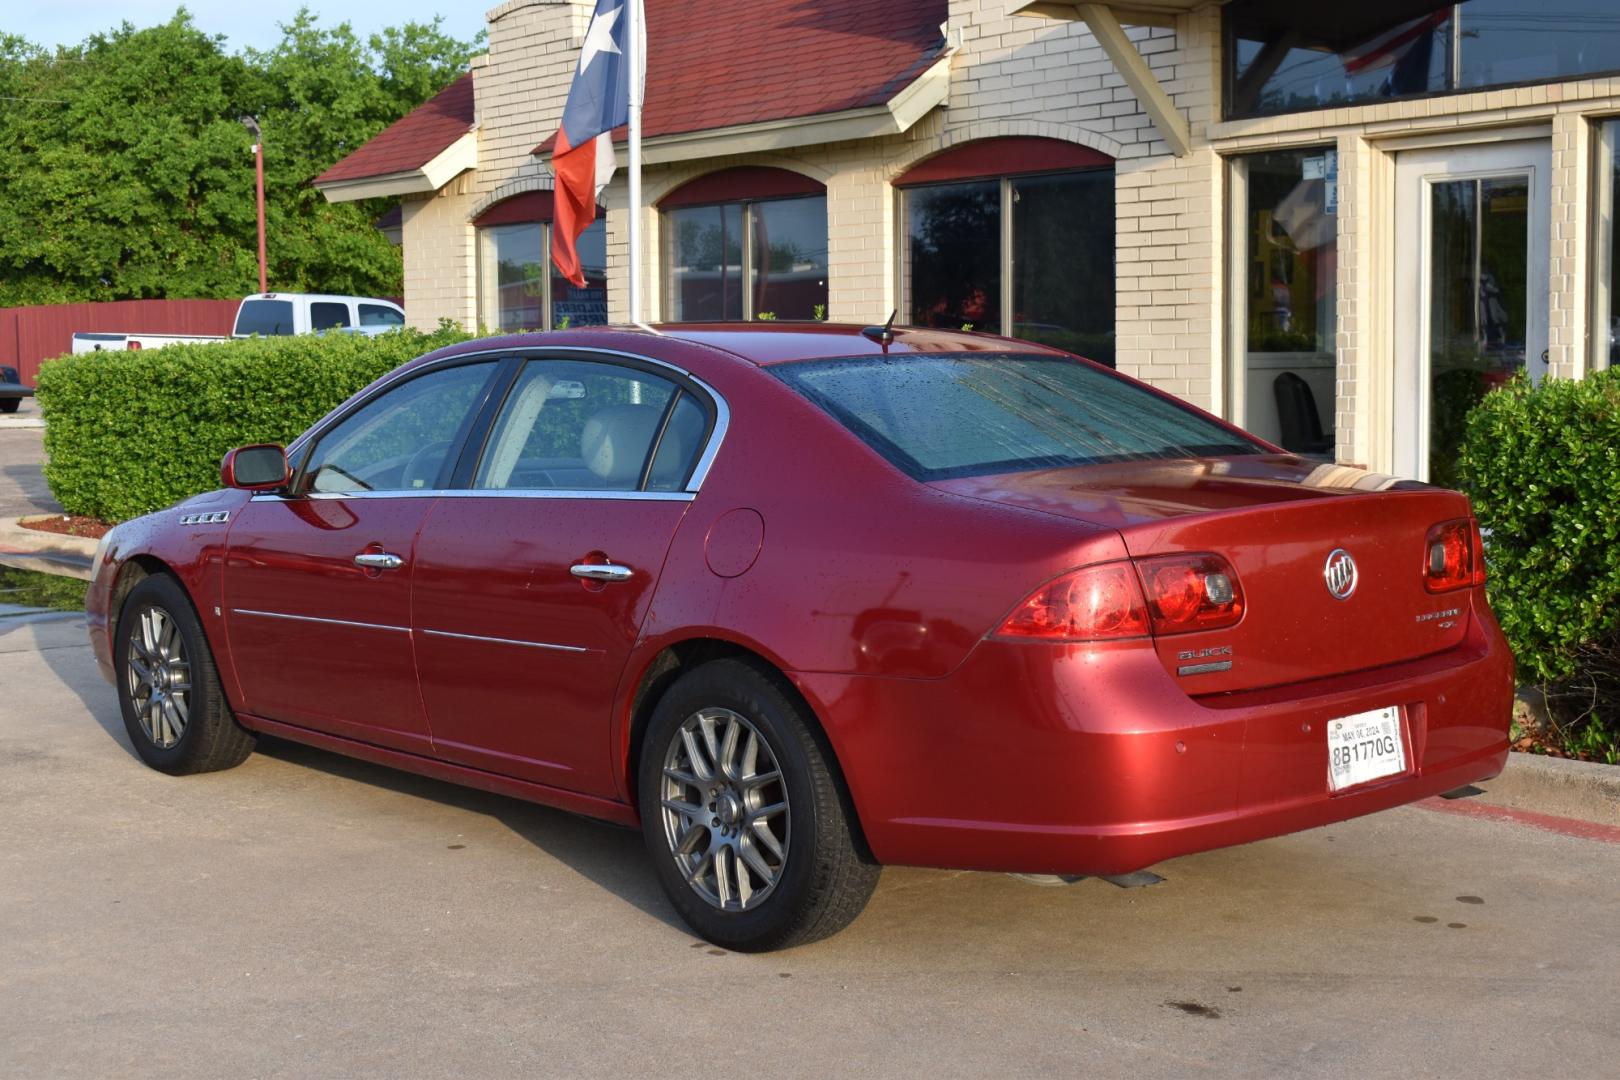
[(547, 315), (746, 274), (467, 446), (1605, 211), (1008, 263)]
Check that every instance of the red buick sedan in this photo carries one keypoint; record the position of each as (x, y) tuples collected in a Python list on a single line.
[(802, 601)]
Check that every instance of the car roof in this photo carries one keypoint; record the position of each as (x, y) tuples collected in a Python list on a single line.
[(766, 343)]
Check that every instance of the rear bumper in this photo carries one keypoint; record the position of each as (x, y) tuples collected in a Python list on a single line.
[(1092, 760)]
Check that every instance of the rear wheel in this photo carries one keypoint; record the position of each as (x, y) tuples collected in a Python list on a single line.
[(743, 816), (168, 687), (10, 404)]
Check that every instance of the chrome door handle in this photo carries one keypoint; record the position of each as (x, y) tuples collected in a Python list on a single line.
[(601, 571), (379, 560)]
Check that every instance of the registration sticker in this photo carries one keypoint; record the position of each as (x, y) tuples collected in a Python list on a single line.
[(1364, 747)]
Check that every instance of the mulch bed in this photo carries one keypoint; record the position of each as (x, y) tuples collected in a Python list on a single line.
[(69, 525)]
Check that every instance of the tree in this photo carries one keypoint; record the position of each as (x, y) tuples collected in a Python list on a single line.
[(124, 172)]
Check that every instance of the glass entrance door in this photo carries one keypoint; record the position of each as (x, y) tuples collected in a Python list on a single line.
[(1471, 291)]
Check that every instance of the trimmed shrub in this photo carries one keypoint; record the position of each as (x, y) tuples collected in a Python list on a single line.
[(1542, 465), (132, 432)]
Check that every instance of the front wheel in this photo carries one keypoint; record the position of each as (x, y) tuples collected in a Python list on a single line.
[(174, 709), (745, 820)]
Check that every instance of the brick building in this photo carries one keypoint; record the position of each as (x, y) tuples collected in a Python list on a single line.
[(1336, 225)]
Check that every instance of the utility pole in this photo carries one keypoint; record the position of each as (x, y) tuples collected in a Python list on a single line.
[(252, 124)]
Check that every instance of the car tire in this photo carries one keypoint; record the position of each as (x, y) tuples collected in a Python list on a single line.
[(168, 687), (10, 404), (744, 875)]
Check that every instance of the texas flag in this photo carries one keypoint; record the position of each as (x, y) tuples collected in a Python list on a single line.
[(598, 102)]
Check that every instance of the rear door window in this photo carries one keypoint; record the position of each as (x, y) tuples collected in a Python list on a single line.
[(328, 314), (380, 315), (939, 416), (269, 318)]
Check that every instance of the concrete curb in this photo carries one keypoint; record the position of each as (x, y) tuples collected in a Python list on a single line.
[(1557, 786), (12, 422), (50, 553)]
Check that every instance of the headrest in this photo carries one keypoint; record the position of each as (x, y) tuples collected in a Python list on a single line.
[(615, 440)]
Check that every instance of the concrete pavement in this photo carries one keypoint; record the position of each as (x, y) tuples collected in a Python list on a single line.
[(22, 453), (305, 915)]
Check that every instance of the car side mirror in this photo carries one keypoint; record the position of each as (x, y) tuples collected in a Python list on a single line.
[(262, 467)]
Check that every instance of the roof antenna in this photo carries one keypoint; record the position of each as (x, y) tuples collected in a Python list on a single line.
[(883, 335)]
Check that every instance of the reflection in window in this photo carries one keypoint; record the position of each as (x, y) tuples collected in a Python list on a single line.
[(1281, 59), (1605, 334), (953, 255), (778, 246), (515, 274), (1286, 244), (1053, 283)]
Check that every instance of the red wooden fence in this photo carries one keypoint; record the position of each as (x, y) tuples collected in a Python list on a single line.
[(29, 335)]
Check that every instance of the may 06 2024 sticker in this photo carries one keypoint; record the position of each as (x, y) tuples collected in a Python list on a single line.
[(1366, 746)]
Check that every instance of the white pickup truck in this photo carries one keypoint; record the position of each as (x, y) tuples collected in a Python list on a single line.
[(272, 315)]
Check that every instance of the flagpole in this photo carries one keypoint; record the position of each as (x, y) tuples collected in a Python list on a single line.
[(636, 65)]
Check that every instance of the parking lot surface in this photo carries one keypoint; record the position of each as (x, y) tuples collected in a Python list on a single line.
[(22, 453), (306, 915)]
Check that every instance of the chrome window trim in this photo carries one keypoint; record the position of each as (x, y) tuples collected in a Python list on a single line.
[(317, 619), (486, 493), (700, 471), (508, 641)]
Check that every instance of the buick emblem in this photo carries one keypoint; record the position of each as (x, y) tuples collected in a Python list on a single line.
[(1340, 574)]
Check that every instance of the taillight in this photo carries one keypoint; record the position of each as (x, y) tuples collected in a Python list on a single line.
[(1449, 556), (1094, 603), (1191, 592), (1479, 554)]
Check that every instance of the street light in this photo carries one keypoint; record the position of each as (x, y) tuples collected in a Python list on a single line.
[(252, 124)]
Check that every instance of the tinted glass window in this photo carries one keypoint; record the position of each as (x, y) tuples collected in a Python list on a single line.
[(326, 314), (266, 317), (790, 258), (575, 426), (1063, 261), (1283, 58), (399, 440), (942, 416), (512, 282), (953, 255), (683, 438), (705, 263), (574, 305), (379, 315)]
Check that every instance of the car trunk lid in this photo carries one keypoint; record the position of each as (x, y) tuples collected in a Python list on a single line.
[(1277, 520)]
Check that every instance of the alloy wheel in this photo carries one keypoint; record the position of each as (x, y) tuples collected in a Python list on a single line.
[(725, 809), (158, 675)]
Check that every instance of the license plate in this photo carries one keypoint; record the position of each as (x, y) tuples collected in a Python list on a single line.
[(1364, 747)]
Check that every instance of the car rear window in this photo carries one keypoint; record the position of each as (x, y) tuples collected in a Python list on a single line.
[(267, 317), (937, 416), (378, 315)]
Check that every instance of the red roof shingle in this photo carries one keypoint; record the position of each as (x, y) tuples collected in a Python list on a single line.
[(414, 139)]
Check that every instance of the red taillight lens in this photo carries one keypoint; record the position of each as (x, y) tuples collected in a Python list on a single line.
[(1191, 592), (1448, 556), (1479, 554), (1094, 603)]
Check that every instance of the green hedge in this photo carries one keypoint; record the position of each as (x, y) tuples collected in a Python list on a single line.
[(131, 432), (1542, 465)]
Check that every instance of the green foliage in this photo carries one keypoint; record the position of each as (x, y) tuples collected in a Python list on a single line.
[(1542, 465), (131, 432), (125, 174)]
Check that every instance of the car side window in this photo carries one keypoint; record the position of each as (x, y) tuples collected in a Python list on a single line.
[(575, 425), (269, 318), (328, 314), (378, 315), (399, 440)]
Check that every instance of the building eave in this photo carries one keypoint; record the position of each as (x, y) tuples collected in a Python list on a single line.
[(900, 113), (445, 166)]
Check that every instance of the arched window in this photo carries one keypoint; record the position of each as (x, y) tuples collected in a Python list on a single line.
[(518, 288), (745, 243), (1013, 236)]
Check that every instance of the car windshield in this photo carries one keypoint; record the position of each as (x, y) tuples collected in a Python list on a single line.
[(937, 416)]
